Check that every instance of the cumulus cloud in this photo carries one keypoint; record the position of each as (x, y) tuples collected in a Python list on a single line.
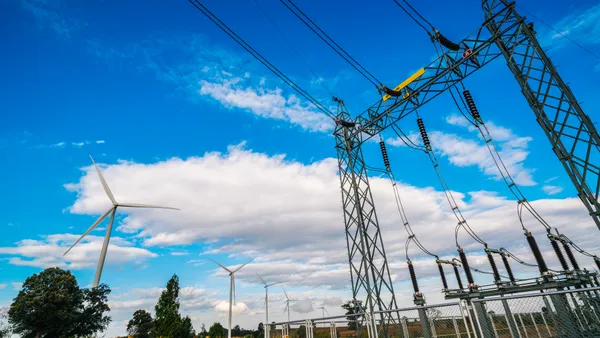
[(223, 306), (294, 222), (472, 151), (48, 252)]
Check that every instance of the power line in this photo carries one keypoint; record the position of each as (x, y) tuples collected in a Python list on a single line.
[(294, 49), (199, 6), (561, 33), (331, 43)]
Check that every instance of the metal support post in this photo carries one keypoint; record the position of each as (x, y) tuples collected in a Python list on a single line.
[(332, 330), (485, 328), (564, 316), (546, 323), (309, 328), (465, 309), (404, 327), (510, 320), (456, 328), (493, 325), (424, 323), (535, 325), (523, 325)]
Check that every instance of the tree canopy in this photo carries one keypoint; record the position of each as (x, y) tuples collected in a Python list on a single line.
[(216, 330), (141, 325), (352, 307), (168, 321), (51, 303)]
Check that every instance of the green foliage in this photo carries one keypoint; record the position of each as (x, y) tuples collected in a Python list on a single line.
[(352, 307), (216, 330), (141, 325), (52, 304), (168, 322)]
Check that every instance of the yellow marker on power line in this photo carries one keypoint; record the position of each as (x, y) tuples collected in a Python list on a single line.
[(406, 82)]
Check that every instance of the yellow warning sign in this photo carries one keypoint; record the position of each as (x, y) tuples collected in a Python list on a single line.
[(406, 82)]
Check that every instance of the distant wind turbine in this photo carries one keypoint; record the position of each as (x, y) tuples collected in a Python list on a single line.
[(266, 301), (231, 288), (323, 309), (287, 303), (112, 212)]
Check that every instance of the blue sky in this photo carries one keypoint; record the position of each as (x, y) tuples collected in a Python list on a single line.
[(178, 114)]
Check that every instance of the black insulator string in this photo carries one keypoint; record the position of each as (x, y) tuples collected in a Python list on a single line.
[(199, 6), (293, 48), (331, 43)]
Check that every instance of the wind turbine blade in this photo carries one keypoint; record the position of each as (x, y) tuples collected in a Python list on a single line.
[(286, 295), (243, 265), (98, 221), (262, 280), (104, 184), (273, 284), (150, 206), (220, 265)]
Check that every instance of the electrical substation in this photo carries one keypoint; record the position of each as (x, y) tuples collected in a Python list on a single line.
[(567, 299)]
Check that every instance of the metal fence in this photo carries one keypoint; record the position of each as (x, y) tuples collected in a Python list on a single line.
[(560, 314)]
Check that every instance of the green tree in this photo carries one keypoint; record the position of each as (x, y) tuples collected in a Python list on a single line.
[(52, 304), (5, 329), (141, 324), (203, 333), (301, 331), (216, 330), (352, 307), (168, 322)]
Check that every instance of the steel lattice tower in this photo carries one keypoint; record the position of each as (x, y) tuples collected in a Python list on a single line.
[(369, 271), (571, 133)]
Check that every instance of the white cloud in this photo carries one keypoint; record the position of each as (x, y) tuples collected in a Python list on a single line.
[(464, 152), (267, 103), (100, 142), (223, 306), (2, 286), (245, 222), (49, 252), (552, 189), (179, 253), (16, 285), (78, 144)]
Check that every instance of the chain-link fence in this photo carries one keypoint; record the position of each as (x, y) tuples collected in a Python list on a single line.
[(565, 314), (561, 314)]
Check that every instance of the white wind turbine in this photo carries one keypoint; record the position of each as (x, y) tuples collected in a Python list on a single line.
[(231, 288), (323, 310), (287, 303), (266, 301), (112, 212)]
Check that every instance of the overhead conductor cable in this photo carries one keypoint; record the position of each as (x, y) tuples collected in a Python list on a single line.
[(199, 6)]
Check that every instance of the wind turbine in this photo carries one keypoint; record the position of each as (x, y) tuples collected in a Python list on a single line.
[(287, 303), (112, 212), (231, 288), (266, 300), (323, 309)]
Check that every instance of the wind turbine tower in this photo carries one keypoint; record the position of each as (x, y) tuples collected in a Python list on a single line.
[(267, 331), (112, 212), (231, 288), (287, 304)]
